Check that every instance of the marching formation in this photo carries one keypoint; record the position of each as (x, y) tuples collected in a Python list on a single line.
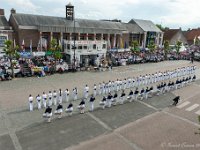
[(109, 91)]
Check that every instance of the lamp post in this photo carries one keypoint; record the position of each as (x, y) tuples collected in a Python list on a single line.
[(74, 48)]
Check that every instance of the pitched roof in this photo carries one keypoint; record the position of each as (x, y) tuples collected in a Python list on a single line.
[(170, 33), (50, 21), (191, 34), (146, 25), (4, 23)]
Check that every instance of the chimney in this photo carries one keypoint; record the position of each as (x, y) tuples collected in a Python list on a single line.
[(2, 12), (13, 11)]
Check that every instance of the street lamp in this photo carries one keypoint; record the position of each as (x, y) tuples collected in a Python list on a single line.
[(74, 47)]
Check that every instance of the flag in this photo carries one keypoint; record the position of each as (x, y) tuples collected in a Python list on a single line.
[(23, 45), (31, 46), (45, 44), (14, 43)]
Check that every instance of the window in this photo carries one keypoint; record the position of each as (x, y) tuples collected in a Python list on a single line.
[(68, 46), (85, 47), (2, 40), (94, 46), (80, 47), (104, 46)]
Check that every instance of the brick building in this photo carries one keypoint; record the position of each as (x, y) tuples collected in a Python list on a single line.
[(6, 31), (93, 37)]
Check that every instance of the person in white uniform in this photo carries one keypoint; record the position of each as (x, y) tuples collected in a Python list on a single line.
[(95, 90), (50, 95), (86, 91), (44, 98), (67, 95), (38, 98), (60, 96), (69, 109), (30, 99), (48, 114), (54, 98)]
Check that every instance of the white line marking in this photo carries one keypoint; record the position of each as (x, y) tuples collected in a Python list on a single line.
[(192, 107), (183, 104), (198, 112)]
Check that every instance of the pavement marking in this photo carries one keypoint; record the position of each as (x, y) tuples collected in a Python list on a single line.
[(183, 104), (192, 107), (181, 118), (133, 145), (99, 121), (150, 106), (198, 112)]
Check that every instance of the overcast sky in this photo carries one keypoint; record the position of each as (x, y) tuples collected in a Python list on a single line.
[(170, 13)]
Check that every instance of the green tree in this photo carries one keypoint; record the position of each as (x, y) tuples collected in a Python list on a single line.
[(135, 48), (55, 49), (166, 48), (151, 46), (178, 47), (11, 52), (196, 41)]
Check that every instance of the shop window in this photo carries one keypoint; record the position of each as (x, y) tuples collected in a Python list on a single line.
[(2, 40), (85, 47), (94, 46), (104, 46)]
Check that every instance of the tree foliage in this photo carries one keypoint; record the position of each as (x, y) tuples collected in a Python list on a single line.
[(55, 49), (178, 47), (135, 47), (151, 46), (166, 48), (11, 52)]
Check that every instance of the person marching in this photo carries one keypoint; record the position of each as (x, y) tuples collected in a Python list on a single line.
[(109, 100), (69, 109), (130, 96), (114, 101), (50, 98), (67, 95), (136, 93), (92, 99), (30, 99), (60, 96), (81, 106), (48, 113), (122, 97), (86, 91), (95, 90), (38, 98), (44, 98), (54, 98), (103, 102), (59, 110)]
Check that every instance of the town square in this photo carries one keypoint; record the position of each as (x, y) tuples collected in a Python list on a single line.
[(70, 82)]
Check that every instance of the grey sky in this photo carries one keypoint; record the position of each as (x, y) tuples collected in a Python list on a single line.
[(171, 13)]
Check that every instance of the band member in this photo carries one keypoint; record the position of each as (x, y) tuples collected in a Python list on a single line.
[(147, 92), (38, 98), (81, 106), (122, 97), (95, 90), (67, 95), (109, 100), (59, 110), (50, 98), (75, 93), (44, 98), (86, 91), (130, 96), (92, 99), (54, 98), (142, 93), (60, 96), (48, 113), (30, 99), (103, 102), (114, 100), (136, 93), (69, 109)]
